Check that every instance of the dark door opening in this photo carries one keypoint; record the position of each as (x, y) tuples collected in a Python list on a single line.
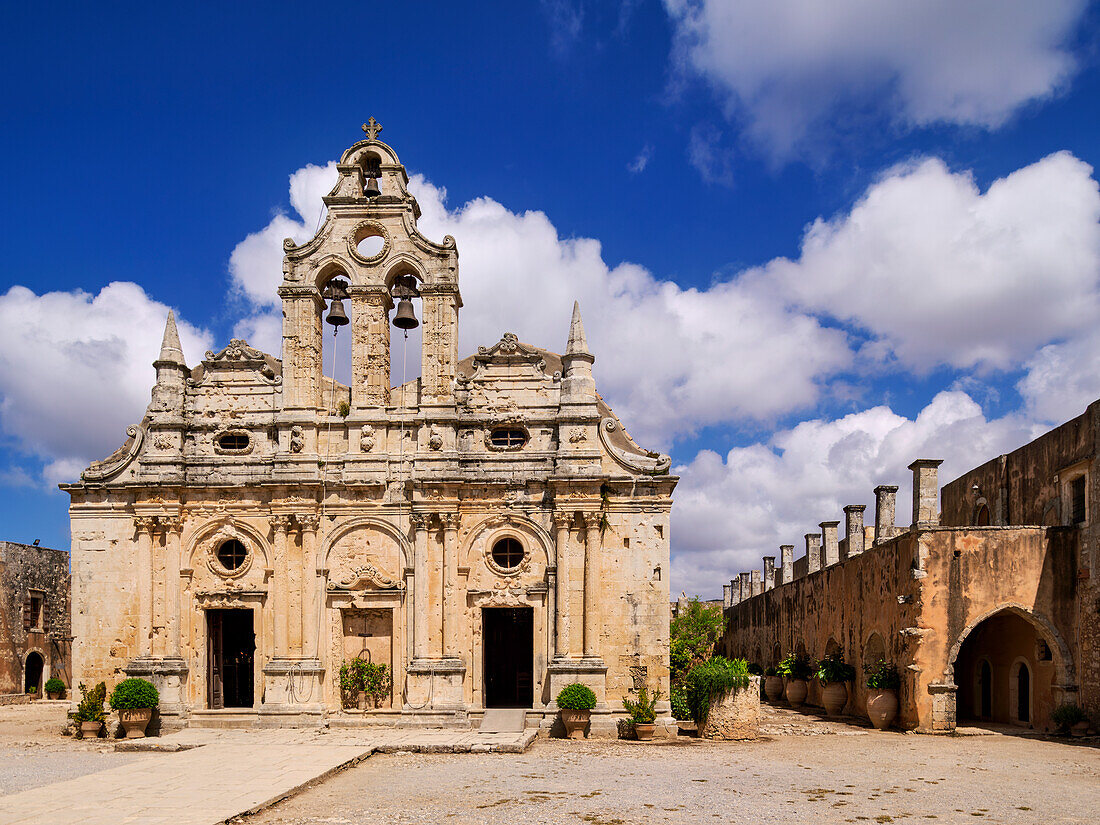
[(985, 681), (33, 677), (231, 646), (509, 656), (1023, 694)]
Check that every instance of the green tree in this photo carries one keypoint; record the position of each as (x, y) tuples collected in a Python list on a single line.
[(694, 632)]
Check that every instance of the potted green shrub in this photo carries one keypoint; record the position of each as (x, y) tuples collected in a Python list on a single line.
[(33, 691), (353, 683), (798, 669), (576, 702), (883, 681), (376, 682), (1071, 719), (54, 688), (643, 712), (712, 685), (89, 713), (134, 699), (834, 674), (773, 684)]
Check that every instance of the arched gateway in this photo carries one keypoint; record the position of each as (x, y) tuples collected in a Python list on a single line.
[(488, 531)]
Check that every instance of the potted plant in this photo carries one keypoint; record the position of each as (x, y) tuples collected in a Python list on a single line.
[(54, 688), (576, 702), (834, 673), (883, 681), (798, 668), (134, 699), (375, 681), (353, 687), (773, 684), (1071, 719), (33, 691), (643, 712), (89, 713)]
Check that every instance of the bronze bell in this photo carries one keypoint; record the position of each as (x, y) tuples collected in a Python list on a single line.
[(371, 190), (336, 315), (405, 318)]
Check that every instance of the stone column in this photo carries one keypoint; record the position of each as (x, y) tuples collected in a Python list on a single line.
[(745, 586), (591, 584), (757, 584), (786, 558), (144, 584), (280, 592), (926, 492), (562, 522), (830, 549), (813, 552), (885, 496), (302, 307), (172, 586), (419, 524), (853, 528), (311, 595), (158, 587), (439, 357), (735, 592), (727, 596), (451, 607), (370, 346), (769, 572)]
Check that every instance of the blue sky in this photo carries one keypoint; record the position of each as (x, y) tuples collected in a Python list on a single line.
[(810, 240)]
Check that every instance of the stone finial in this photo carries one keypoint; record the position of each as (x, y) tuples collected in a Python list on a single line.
[(926, 492), (727, 596), (885, 499), (577, 342), (769, 572), (577, 384), (813, 552), (830, 549), (757, 584), (786, 562), (171, 352), (853, 528)]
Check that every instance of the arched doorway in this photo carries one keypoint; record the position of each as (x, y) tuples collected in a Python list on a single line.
[(1005, 672), (32, 673)]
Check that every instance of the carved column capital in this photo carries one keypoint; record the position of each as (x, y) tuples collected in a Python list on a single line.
[(450, 521), (145, 524), (309, 522), (173, 524), (418, 521), (280, 523), (562, 521)]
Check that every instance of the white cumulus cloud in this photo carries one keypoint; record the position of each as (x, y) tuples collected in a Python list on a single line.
[(790, 69)]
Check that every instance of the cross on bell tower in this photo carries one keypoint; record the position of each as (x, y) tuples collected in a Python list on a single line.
[(372, 127)]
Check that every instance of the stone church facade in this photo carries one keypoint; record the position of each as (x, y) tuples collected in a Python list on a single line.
[(489, 529)]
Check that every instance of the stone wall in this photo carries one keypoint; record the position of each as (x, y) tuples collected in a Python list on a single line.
[(23, 569)]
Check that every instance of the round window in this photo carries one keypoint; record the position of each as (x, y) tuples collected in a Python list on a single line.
[(232, 554), (508, 553)]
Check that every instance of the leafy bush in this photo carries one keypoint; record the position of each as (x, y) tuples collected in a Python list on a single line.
[(755, 670), (693, 633), (55, 685), (680, 707), (90, 708), (644, 711), (771, 671), (833, 668), (576, 697), (711, 680), (1067, 715), (134, 693), (362, 675), (797, 666), (882, 675)]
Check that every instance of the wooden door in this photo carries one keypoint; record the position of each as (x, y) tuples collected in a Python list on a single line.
[(214, 659)]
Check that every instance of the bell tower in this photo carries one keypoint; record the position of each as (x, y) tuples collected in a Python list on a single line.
[(370, 200)]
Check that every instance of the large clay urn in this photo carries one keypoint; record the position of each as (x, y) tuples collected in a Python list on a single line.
[(134, 721), (773, 688), (644, 730), (834, 697), (90, 730), (796, 692), (575, 722), (882, 707)]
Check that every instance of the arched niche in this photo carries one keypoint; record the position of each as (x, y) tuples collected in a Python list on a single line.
[(365, 552), (202, 553), (476, 553)]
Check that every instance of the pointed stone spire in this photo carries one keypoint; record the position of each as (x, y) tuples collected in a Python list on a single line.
[(170, 350), (577, 342)]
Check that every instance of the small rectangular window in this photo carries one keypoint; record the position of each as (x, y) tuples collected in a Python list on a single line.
[(1077, 491), (36, 601)]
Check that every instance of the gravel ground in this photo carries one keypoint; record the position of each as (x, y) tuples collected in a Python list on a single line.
[(33, 753), (861, 777)]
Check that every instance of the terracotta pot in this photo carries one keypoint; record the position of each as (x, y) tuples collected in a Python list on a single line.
[(796, 692), (882, 707), (53, 694), (1080, 728), (644, 730), (134, 721), (575, 722), (834, 697), (90, 729), (773, 687)]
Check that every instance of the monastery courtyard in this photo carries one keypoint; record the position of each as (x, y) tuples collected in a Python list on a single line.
[(803, 769)]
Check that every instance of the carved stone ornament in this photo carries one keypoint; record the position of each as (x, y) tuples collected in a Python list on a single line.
[(117, 461), (362, 231), (435, 440), (577, 435), (162, 442), (226, 533), (297, 439), (648, 462), (366, 438), (364, 575), (507, 574)]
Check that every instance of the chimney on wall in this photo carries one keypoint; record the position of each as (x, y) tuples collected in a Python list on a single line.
[(885, 495), (786, 559), (735, 592), (727, 596), (746, 586), (813, 552), (757, 585), (926, 492), (853, 528), (769, 572), (830, 551)]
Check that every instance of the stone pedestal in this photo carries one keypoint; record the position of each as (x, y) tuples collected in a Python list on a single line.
[(593, 674), (293, 688), (434, 694), (169, 677), (735, 715)]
